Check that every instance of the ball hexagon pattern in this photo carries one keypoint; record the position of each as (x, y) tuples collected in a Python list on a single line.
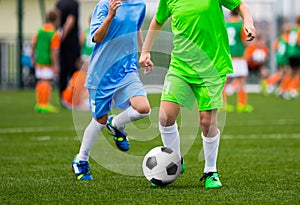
[(161, 166)]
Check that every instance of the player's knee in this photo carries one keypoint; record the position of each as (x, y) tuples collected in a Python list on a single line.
[(102, 120), (143, 109), (208, 127), (167, 120), (144, 113)]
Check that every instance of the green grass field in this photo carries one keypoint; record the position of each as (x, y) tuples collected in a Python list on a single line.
[(259, 158)]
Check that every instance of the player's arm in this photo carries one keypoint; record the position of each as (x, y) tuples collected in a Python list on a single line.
[(82, 39), (249, 28), (101, 32), (151, 36), (140, 39), (54, 53), (33, 47), (68, 26)]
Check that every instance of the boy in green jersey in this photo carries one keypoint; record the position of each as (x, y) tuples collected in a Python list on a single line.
[(45, 47), (199, 64), (238, 78), (289, 89)]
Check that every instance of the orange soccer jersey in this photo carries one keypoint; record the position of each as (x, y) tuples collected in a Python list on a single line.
[(75, 92), (256, 55)]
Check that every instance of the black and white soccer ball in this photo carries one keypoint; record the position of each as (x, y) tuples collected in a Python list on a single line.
[(161, 166)]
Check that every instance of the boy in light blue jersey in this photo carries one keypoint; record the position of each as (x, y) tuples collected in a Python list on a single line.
[(113, 76)]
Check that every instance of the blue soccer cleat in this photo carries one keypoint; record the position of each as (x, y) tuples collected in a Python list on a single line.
[(81, 169), (120, 136)]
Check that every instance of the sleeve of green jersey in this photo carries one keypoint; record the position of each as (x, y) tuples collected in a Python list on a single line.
[(163, 12), (230, 4)]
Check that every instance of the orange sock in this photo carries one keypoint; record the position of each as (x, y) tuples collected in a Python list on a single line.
[(43, 92), (294, 83), (273, 79), (285, 83), (242, 97)]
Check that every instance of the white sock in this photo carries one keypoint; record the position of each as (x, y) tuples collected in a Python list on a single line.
[(127, 116), (89, 137), (210, 148), (170, 137)]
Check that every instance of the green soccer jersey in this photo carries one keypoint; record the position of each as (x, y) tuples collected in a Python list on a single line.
[(43, 46), (294, 48), (236, 44), (201, 47), (281, 51), (88, 44)]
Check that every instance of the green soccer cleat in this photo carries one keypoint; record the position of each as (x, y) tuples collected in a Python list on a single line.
[(45, 108), (211, 180), (183, 166), (226, 108), (244, 108)]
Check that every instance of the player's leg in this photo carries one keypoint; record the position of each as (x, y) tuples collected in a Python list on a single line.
[(242, 97), (44, 90), (99, 110), (293, 85), (210, 139), (176, 92), (139, 108), (131, 97), (209, 99), (168, 126)]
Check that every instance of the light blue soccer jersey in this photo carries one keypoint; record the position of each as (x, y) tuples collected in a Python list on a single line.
[(117, 54)]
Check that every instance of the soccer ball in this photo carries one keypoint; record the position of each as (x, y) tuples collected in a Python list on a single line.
[(161, 166)]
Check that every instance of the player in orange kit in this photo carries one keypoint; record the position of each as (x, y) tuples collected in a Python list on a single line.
[(257, 54), (280, 47), (291, 82), (45, 46), (237, 39)]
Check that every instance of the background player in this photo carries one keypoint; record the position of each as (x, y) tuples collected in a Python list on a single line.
[(45, 46), (69, 47), (280, 46), (76, 95), (257, 54), (290, 85), (237, 40)]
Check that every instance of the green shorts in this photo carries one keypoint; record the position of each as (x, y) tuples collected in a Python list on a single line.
[(184, 91)]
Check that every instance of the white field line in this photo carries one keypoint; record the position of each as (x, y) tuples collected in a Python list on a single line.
[(33, 129), (263, 136), (223, 137), (54, 129), (47, 138)]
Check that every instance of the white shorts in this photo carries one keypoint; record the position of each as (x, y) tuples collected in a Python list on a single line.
[(45, 73), (240, 68)]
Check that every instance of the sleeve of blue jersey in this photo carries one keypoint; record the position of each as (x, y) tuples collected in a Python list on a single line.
[(98, 16)]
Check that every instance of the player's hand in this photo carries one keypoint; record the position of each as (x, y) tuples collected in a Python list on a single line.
[(113, 6), (250, 30), (146, 62)]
